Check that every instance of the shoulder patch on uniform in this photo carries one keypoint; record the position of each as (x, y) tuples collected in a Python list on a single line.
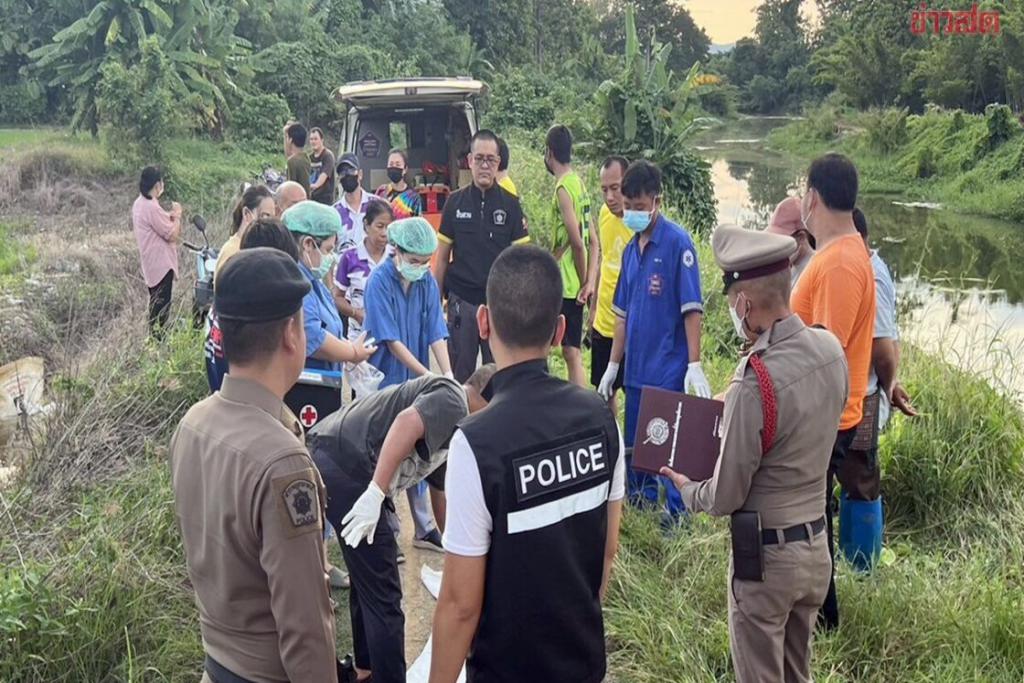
[(688, 258), (298, 501)]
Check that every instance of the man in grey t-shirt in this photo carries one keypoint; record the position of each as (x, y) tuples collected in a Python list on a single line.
[(367, 452), (885, 359)]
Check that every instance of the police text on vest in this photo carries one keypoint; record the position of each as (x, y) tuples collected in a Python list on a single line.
[(560, 468)]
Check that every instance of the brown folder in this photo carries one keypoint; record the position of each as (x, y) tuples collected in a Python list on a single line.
[(678, 431)]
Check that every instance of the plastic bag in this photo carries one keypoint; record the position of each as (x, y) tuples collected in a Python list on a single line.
[(363, 378)]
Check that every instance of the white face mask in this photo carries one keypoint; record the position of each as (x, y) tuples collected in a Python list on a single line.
[(737, 323)]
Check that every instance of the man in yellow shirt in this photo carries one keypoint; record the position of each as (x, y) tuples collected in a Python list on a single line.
[(604, 264), (503, 179)]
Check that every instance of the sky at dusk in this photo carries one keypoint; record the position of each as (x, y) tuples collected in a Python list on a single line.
[(726, 21)]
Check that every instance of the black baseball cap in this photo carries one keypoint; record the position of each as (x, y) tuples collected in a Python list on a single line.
[(347, 163), (259, 285)]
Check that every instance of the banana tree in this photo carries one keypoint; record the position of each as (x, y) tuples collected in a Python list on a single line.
[(647, 113), (113, 29)]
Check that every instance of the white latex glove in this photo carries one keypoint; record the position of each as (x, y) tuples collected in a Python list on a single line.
[(607, 385), (450, 374), (361, 520), (696, 382)]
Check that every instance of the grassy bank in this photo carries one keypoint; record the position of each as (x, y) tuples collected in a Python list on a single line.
[(94, 586), (971, 163)]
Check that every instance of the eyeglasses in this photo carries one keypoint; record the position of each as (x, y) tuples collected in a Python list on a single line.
[(481, 160)]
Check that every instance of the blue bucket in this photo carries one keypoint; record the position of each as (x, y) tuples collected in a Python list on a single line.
[(860, 531)]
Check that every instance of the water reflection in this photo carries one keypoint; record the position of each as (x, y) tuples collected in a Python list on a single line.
[(959, 278)]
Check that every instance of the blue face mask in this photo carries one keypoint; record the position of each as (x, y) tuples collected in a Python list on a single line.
[(637, 221)]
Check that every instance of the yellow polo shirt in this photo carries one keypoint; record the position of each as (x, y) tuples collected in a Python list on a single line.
[(614, 236)]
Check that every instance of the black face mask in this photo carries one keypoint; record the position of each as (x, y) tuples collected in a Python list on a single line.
[(395, 174), (349, 183)]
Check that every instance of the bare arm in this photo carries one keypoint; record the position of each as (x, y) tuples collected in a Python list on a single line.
[(457, 615), (443, 255), (405, 357), (691, 323), (440, 351), (593, 273), (575, 233), (611, 543), (400, 441), (618, 340), (335, 350), (885, 359)]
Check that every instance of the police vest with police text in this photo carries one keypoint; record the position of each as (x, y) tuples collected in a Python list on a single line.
[(546, 451)]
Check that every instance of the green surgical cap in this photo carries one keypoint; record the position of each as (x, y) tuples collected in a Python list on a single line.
[(313, 219), (413, 236)]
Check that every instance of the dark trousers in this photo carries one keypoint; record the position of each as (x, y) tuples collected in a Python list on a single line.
[(375, 598), (160, 304), (828, 616), (464, 338)]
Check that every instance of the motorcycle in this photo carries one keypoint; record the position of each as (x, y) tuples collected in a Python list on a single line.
[(206, 264)]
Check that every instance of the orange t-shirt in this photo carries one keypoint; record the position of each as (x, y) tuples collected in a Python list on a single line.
[(837, 292)]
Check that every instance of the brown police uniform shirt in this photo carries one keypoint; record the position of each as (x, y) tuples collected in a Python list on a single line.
[(250, 505), (787, 485)]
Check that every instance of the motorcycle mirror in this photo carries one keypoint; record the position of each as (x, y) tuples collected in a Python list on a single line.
[(200, 223)]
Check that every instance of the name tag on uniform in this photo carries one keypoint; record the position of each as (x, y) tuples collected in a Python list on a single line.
[(560, 468), (463, 215)]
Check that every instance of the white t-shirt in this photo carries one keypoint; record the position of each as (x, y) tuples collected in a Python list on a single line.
[(468, 527)]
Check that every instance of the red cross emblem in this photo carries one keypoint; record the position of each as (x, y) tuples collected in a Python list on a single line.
[(308, 416)]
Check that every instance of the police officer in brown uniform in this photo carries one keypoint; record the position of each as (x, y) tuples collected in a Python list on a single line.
[(248, 498), (782, 409)]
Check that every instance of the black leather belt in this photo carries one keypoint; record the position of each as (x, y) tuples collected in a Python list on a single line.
[(793, 533), (219, 674)]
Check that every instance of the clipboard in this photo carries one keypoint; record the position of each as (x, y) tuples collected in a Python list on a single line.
[(678, 431)]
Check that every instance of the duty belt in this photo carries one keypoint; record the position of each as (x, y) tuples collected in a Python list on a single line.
[(219, 674), (793, 533)]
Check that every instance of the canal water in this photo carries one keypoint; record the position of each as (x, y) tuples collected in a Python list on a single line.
[(960, 279)]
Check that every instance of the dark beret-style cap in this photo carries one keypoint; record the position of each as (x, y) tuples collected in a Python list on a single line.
[(258, 285), (747, 254)]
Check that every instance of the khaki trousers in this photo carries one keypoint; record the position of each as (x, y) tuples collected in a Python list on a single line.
[(771, 622)]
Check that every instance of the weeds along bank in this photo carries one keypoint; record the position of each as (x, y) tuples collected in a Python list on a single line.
[(94, 585), (972, 163)]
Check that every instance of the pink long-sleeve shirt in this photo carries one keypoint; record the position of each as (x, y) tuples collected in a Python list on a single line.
[(153, 231)]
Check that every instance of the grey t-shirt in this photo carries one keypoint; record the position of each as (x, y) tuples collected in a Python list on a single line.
[(885, 323), (353, 436)]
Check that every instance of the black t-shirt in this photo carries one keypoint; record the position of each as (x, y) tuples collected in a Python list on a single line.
[(322, 164), (479, 226), (353, 436)]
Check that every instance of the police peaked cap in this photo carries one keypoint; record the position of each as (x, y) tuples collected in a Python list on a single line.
[(747, 254), (258, 285)]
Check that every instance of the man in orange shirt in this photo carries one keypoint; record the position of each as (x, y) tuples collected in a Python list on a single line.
[(837, 292)]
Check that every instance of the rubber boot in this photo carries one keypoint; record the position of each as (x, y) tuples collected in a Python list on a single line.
[(861, 544)]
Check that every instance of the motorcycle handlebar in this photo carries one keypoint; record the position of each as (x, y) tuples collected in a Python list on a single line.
[(193, 247)]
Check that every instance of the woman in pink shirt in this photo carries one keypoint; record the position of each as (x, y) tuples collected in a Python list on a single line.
[(157, 233)]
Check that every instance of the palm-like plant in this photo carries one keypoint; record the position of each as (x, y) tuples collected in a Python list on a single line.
[(646, 113), (197, 38)]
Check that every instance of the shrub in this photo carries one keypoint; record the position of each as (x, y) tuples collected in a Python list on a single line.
[(719, 100), (520, 99), (822, 122), (259, 118), (1000, 123), (886, 129), (23, 102), (925, 166), (138, 107)]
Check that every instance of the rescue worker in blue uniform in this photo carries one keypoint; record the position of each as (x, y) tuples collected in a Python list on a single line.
[(659, 311), (534, 488), (317, 394)]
